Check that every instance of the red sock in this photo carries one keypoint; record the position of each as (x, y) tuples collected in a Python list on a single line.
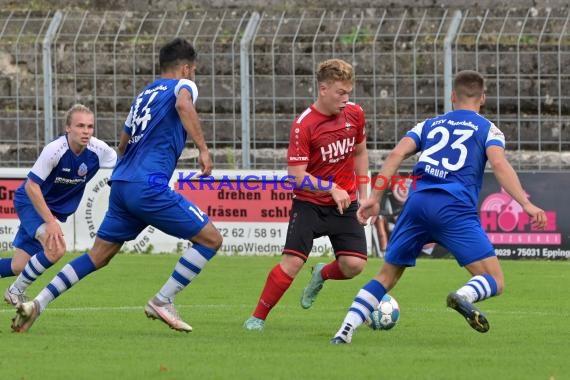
[(332, 271), (276, 285)]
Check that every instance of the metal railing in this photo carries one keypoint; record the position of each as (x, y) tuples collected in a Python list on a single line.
[(403, 60)]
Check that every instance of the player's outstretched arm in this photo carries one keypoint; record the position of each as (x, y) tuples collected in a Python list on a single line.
[(405, 148), (509, 180), (371, 207)]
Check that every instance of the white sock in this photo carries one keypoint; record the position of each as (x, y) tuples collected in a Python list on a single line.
[(37, 265), (479, 288)]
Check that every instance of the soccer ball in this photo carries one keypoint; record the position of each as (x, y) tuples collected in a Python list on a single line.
[(386, 315)]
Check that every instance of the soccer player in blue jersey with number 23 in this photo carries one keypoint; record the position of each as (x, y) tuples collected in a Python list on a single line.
[(443, 207)]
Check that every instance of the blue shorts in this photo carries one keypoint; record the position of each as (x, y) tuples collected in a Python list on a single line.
[(437, 216), (135, 205), (30, 221)]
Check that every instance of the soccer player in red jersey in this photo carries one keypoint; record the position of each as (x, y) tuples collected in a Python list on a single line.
[(327, 150)]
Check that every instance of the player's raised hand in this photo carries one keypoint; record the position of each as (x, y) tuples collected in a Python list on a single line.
[(537, 215), (369, 208), (205, 162)]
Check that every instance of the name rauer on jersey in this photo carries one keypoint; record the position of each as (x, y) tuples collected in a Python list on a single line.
[(436, 172), (336, 150)]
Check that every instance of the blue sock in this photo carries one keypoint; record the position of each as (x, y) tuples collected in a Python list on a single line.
[(6, 268)]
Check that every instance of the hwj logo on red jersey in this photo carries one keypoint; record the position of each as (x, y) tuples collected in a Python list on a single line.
[(505, 222), (337, 149)]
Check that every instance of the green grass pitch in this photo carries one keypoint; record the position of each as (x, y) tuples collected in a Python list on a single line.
[(98, 329)]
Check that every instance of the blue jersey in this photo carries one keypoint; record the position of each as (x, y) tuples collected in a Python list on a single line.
[(157, 136), (62, 175), (453, 152)]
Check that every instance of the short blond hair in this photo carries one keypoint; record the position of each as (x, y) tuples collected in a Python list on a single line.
[(75, 108), (334, 70)]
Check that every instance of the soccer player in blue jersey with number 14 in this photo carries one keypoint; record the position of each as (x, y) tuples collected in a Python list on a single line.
[(152, 140), (443, 206)]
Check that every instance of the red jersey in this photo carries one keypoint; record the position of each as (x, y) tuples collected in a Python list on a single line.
[(327, 145)]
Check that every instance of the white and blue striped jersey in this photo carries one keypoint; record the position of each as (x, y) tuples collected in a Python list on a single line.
[(157, 136), (453, 152), (62, 175)]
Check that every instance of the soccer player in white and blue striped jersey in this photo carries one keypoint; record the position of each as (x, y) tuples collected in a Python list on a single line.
[(442, 207), (154, 135), (51, 193)]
